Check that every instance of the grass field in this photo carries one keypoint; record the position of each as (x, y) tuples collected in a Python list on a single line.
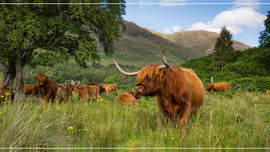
[(224, 121)]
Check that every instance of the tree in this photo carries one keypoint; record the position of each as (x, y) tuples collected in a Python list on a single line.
[(264, 38), (223, 49), (35, 34)]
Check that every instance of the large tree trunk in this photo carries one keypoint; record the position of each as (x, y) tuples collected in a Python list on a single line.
[(10, 73), (19, 77)]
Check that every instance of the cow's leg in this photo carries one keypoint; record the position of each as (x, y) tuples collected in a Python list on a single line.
[(186, 111), (47, 97), (52, 98), (162, 108)]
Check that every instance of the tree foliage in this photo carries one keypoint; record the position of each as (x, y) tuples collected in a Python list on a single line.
[(30, 32), (264, 38), (223, 49)]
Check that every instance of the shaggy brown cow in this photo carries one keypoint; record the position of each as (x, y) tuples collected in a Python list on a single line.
[(86, 92), (179, 91), (30, 89), (64, 92), (222, 86), (46, 87), (112, 86), (6, 94), (128, 98)]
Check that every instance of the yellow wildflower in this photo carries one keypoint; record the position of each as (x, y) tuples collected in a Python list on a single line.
[(70, 128), (152, 112), (2, 96), (267, 91), (1, 113), (172, 138), (7, 93)]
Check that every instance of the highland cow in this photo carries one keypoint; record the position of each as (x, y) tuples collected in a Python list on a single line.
[(179, 91)]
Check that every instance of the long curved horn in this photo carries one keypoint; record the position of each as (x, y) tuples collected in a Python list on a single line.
[(124, 72), (32, 74), (164, 59), (50, 74)]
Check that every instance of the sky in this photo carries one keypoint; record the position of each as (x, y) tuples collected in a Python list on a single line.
[(243, 19)]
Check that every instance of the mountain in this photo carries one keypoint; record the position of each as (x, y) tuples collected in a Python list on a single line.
[(200, 41), (139, 46)]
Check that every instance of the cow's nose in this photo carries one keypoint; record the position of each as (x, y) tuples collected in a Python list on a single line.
[(138, 89)]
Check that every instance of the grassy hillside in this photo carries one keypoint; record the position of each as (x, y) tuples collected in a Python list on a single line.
[(139, 47), (230, 121)]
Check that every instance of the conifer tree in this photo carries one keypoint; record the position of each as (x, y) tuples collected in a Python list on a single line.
[(223, 49)]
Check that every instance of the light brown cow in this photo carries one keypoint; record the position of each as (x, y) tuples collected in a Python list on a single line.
[(47, 87), (86, 92), (112, 86), (179, 91), (30, 89), (100, 86), (64, 92), (128, 98), (222, 86)]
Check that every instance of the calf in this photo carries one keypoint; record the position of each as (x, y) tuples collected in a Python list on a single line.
[(86, 92), (64, 92), (128, 98), (112, 86), (30, 89), (100, 86)]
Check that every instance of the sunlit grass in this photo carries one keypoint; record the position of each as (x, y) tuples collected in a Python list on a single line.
[(235, 120)]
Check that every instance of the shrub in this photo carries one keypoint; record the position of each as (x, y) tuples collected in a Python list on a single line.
[(251, 84)]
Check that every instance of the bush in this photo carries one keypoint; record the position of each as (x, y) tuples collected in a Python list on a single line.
[(251, 84), (112, 79)]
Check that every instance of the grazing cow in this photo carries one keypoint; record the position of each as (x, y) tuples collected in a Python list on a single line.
[(6, 94), (64, 92), (46, 87), (179, 91), (30, 89), (86, 92), (222, 86), (101, 87), (128, 98), (113, 87)]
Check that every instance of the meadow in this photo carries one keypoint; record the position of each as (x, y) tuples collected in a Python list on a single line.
[(226, 120)]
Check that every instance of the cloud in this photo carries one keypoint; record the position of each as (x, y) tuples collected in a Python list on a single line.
[(172, 29), (235, 19), (175, 2)]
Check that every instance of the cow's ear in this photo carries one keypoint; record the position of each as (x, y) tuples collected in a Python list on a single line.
[(47, 78)]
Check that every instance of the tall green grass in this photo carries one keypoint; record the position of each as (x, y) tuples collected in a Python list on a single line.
[(239, 120)]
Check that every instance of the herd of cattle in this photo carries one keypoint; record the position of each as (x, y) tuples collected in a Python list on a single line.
[(179, 91), (48, 89)]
